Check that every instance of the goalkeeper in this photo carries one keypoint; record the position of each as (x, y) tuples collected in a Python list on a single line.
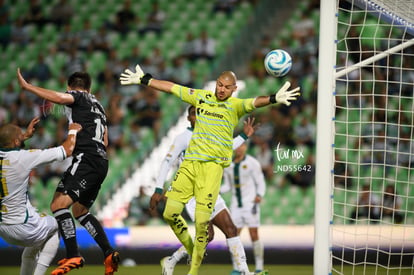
[(221, 215), (209, 151)]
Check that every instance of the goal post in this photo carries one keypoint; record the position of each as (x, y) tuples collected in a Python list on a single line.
[(364, 209), (323, 176)]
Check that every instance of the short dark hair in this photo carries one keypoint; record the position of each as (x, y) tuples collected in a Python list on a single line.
[(80, 80)]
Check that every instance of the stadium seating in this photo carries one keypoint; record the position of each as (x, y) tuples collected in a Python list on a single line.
[(280, 206)]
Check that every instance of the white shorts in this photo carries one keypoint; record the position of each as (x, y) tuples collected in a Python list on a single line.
[(34, 232), (218, 207), (244, 217)]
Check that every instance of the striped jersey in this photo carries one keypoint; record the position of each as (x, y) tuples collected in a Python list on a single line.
[(212, 139), (177, 151)]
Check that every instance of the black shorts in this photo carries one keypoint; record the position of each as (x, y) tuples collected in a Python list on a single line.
[(83, 179)]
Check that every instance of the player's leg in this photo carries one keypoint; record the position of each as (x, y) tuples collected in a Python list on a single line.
[(207, 187), (67, 230), (172, 216), (66, 224), (179, 193), (224, 222), (48, 230), (67, 192), (40, 238), (29, 260), (168, 263), (258, 249), (46, 254), (91, 175)]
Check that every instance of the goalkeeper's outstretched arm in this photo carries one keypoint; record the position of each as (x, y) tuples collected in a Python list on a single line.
[(129, 77), (282, 96)]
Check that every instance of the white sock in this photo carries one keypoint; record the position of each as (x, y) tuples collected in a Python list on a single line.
[(29, 259), (238, 255), (258, 251), (178, 255), (46, 254)]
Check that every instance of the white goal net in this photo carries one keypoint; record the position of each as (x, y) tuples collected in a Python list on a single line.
[(372, 183)]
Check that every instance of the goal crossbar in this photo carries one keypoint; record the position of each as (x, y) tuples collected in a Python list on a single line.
[(374, 58)]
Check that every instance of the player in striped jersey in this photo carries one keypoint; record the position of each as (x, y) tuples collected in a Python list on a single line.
[(209, 151), (220, 216), (20, 223)]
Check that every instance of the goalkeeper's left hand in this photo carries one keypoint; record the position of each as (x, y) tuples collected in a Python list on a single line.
[(128, 77), (284, 96)]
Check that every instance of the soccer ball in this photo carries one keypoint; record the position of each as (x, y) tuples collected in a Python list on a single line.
[(278, 62)]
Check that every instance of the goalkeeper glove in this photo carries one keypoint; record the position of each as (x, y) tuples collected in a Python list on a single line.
[(128, 77), (284, 96)]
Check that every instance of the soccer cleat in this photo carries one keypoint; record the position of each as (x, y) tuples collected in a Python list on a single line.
[(167, 266), (66, 265), (111, 263)]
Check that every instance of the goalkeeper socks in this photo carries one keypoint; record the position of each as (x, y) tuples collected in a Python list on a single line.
[(201, 239), (258, 252), (67, 230), (95, 229), (238, 255)]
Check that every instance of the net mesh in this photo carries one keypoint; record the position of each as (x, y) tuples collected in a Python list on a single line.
[(373, 188)]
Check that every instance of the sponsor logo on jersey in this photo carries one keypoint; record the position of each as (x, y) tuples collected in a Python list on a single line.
[(201, 111)]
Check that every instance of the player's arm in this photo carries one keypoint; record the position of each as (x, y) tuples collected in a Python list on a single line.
[(105, 137), (35, 158), (282, 96), (248, 130), (31, 128), (69, 144), (128, 77), (52, 96)]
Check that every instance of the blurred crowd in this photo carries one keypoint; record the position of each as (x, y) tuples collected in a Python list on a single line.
[(131, 109)]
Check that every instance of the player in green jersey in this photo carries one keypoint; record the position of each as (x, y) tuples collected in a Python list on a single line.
[(209, 151)]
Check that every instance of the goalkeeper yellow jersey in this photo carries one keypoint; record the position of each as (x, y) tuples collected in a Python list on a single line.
[(212, 139)]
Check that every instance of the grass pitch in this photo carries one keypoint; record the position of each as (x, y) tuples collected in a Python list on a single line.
[(206, 269), (209, 269)]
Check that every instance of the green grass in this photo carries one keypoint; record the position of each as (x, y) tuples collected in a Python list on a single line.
[(180, 269), (207, 269)]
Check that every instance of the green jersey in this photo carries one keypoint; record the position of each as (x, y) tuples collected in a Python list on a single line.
[(212, 138)]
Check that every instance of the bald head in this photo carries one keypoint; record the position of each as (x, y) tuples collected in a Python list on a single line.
[(228, 75), (10, 136)]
